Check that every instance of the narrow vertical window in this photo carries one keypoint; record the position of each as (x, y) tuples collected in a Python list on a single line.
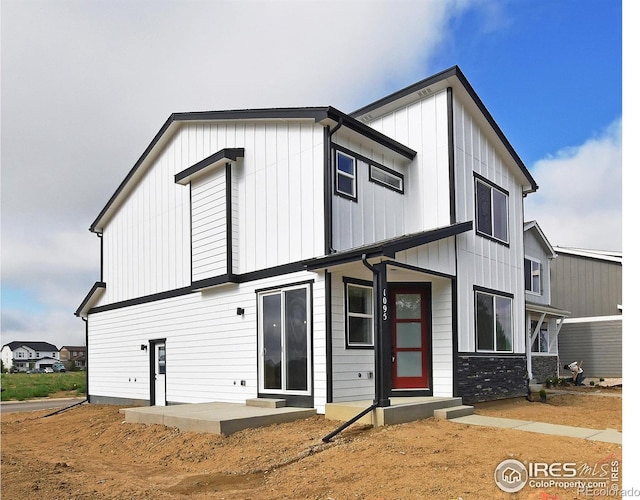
[(532, 276), (345, 175)]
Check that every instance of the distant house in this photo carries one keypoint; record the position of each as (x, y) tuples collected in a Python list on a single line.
[(22, 356), (316, 256), (74, 357), (543, 320), (589, 284)]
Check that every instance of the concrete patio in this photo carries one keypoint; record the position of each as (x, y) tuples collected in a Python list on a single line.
[(217, 418)]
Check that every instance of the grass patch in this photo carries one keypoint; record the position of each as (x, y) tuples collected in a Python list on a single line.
[(21, 386)]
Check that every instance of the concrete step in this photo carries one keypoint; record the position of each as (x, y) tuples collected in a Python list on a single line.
[(453, 412), (266, 402)]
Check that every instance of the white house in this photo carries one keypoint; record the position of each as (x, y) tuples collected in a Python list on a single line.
[(316, 256), (22, 356)]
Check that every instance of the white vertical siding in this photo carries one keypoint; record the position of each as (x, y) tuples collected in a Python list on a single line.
[(481, 261), (210, 349), (423, 126), (378, 213), (209, 225), (277, 206)]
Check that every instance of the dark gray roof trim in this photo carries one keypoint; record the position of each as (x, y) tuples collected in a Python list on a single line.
[(454, 71), (389, 248), (36, 346), (230, 154), (97, 286), (314, 113)]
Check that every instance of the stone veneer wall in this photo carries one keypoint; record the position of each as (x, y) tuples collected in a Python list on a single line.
[(543, 367), (485, 378)]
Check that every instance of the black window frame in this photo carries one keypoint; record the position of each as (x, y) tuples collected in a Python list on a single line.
[(338, 173), (388, 171), (494, 294), (493, 189)]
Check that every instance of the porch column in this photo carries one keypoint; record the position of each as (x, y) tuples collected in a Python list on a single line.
[(382, 342)]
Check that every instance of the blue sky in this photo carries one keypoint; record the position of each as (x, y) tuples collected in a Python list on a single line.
[(86, 85)]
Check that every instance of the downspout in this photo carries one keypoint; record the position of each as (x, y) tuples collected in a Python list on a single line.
[(328, 196), (376, 400)]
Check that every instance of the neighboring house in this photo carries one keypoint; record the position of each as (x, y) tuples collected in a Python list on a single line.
[(22, 356), (589, 284), (543, 320), (315, 256), (74, 357)]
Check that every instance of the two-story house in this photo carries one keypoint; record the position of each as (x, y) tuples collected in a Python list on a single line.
[(315, 256), (74, 357), (588, 283), (22, 356), (543, 320)]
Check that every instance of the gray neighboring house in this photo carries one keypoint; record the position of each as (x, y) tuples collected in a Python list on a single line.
[(543, 320), (589, 284)]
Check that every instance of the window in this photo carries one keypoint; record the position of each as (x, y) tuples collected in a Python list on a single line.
[(541, 342), (492, 218), (386, 177), (493, 322), (532, 270), (345, 175), (359, 315)]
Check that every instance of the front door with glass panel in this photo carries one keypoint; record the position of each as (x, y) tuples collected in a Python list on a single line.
[(410, 338), (284, 342)]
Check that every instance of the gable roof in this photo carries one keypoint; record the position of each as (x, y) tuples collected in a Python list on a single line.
[(326, 115), (454, 78), (36, 346), (534, 227)]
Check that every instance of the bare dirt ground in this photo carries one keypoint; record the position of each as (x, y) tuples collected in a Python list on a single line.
[(89, 453)]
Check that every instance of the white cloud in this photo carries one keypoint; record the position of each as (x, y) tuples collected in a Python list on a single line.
[(579, 203), (86, 85)]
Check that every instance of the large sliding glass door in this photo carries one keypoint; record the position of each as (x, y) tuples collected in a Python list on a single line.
[(284, 341)]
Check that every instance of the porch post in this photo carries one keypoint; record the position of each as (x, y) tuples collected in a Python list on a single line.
[(382, 336)]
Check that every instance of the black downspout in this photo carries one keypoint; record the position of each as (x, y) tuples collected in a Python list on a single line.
[(382, 387)]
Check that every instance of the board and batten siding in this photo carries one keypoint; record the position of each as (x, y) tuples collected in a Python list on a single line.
[(423, 126), (481, 261), (586, 286), (209, 225), (377, 214), (209, 348), (534, 250), (277, 206)]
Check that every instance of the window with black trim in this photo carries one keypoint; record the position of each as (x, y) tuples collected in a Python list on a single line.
[(359, 315), (492, 213), (386, 177), (532, 274), (345, 170), (494, 330)]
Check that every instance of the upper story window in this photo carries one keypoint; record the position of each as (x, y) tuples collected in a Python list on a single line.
[(345, 175), (494, 331), (359, 315), (492, 213), (386, 177), (532, 274)]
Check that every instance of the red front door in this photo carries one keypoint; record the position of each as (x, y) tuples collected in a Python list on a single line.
[(409, 338)]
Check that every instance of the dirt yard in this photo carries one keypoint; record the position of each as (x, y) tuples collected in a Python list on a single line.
[(89, 452)]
